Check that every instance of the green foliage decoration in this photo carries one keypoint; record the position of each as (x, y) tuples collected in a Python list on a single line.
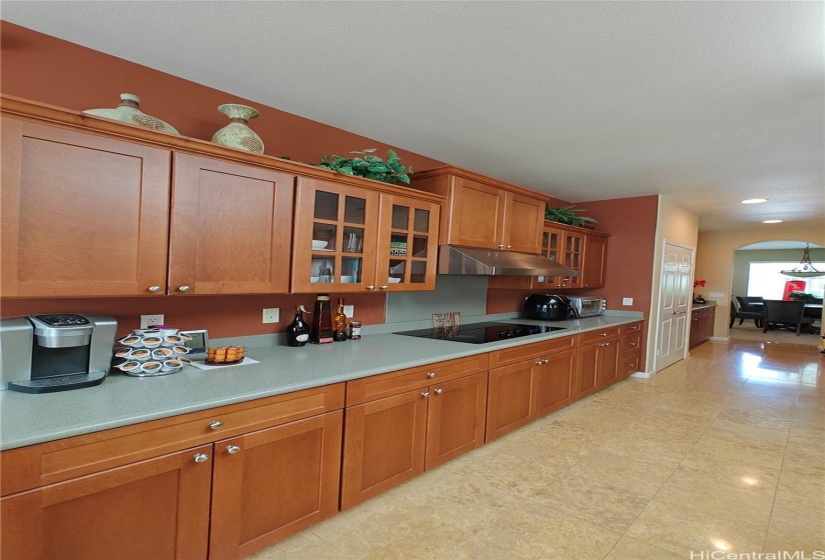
[(568, 215), (801, 296), (370, 166)]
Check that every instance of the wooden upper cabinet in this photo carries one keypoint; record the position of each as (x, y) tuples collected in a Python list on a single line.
[(354, 239), (593, 263), (483, 212), (231, 228), (523, 220), (407, 244), (82, 214)]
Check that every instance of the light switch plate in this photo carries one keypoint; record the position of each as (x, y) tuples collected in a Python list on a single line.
[(627, 301), (147, 321), (272, 315), (716, 294)]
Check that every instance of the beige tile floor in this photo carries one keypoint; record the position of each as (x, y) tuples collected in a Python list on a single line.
[(722, 451)]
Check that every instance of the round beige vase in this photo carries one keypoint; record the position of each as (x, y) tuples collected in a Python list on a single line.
[(129, 112), (237, 133)]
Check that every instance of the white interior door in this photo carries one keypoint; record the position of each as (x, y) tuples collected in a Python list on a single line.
[(674, 298)]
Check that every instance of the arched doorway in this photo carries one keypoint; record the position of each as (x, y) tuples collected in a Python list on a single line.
[(756, 273)]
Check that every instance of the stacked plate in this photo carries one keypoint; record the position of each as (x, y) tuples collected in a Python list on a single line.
[(150, 352)]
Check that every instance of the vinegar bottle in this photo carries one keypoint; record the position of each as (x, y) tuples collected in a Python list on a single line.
[(321, 330), (339, 323), (297, 332)]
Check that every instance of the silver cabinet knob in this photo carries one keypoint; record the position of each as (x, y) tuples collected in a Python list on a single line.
[(603, 334), (502, 246), (438, 391), (216, 424), (633, 345), (154, 289), (184, 288), (509, 247), (431, 374), (201, 457), (232, 449), (425, 394), (384, 287), (370, 287)]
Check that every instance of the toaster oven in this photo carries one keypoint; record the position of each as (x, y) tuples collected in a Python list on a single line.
[(588, 306)]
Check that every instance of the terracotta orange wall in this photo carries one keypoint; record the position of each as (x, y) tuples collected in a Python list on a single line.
[(49, 70), (223, 316)]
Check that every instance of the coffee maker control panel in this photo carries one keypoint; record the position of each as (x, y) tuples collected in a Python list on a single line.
[(64, 320)]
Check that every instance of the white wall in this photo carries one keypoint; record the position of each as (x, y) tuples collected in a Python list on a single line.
[(676, 225)]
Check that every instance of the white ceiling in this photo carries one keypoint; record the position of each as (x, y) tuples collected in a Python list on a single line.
[(711, 102), (779, 245)]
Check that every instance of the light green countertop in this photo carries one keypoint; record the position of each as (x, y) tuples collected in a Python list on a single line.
[(27, 419)]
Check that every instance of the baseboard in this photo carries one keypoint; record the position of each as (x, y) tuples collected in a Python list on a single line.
[(642, 374), (719, 339)]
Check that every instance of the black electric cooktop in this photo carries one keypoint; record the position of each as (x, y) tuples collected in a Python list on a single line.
[(479, 333)]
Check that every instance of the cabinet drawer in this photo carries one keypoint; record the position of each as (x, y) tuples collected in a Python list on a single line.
[(630, 328), (630, 343), (379, 386), (30, 467), (530, 351), (629, 364), (595, 336)]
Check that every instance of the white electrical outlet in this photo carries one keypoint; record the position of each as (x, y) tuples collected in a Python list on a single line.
[(149, 320), (627, 301), (272, 315), (349, 311), (716, 294)]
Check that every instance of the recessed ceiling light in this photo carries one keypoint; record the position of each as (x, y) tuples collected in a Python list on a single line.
[(753, 200), (771, 221)]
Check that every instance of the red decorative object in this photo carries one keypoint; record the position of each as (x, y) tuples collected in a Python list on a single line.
[(793, 286), (699, 283)]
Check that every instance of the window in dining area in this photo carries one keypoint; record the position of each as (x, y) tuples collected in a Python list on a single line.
[(765, 280)]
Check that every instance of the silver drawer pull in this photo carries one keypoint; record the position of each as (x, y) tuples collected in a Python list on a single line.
[(216, 424), (201, 457), (431, 374), (184, 288), (425, 394), (438, 391), (154, 289), (232, 449), (603, 334)]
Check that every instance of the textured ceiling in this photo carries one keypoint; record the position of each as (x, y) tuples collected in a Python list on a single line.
[(711, 102)]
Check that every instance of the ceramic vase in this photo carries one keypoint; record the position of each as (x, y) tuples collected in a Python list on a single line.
[(129, 112), (237, 133)]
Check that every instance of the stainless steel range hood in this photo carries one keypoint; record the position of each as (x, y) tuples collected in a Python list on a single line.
[(453, 259)]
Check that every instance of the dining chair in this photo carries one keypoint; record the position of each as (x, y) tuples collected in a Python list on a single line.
[(736, 312), (791, 313)]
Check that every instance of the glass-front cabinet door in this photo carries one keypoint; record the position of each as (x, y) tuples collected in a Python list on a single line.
[(573, 246), (335, 237), (408, 244), (551, 247)]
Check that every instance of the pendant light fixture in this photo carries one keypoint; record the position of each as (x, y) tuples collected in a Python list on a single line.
[(806, 268)]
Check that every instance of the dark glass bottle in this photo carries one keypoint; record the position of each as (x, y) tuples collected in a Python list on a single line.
[(339, 323), (297, 332), (321, 330)]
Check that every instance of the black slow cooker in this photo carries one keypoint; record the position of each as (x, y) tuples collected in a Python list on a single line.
[(547, 307)]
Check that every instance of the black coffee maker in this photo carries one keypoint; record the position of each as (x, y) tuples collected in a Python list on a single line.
[(547, 307)]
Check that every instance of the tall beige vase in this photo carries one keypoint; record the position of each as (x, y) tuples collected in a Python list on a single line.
[(237, 133)]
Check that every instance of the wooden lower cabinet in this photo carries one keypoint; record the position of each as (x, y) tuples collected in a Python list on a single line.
[(158, 508), (511, 404), (393, 439), (597, 366), (272, 483), (554, 382), (701, 325), (521, 392)]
